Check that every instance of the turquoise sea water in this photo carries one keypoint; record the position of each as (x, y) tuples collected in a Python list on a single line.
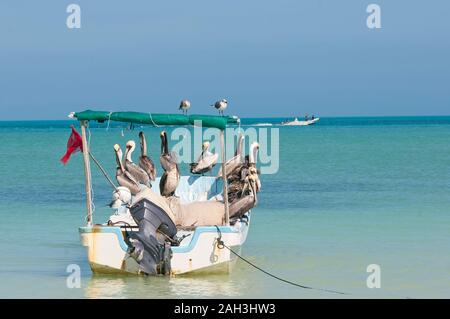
[(349, 192)]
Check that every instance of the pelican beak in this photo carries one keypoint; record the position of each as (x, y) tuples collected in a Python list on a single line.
[(162, 136), (166, 144), (141, 138)]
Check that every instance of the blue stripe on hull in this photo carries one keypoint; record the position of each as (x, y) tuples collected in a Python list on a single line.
[(176, 249)]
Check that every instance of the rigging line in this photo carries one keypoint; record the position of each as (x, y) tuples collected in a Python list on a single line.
[(92, 202), (221, 245), (151, 119), (109, 120), (91, 187), (103, 171)]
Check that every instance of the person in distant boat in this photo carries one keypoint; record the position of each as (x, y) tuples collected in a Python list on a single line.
[(306, 117), (312, 117)]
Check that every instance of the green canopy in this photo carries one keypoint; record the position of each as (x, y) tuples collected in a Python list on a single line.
[(219, 122)]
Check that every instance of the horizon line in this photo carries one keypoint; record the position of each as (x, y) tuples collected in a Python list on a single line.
[(263, 117)]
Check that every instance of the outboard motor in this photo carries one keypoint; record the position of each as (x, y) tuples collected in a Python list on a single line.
[(151, 244)]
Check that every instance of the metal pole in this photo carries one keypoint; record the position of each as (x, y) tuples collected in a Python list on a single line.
[(87, 173), (224, 178)]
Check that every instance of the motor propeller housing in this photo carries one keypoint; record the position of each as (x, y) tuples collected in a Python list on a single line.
[(151, 249)]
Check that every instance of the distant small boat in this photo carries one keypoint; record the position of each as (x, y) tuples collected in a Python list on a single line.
[(263, 124), (296, 122)]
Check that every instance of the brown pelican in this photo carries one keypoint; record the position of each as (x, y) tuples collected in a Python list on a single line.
[(236, 161), (221, 105), (184, 106), (246, 201), (138, 173), (245, 180), (251, 178), (206, 160), (145, 162), (171, 176), (123, 177), (252, 156)]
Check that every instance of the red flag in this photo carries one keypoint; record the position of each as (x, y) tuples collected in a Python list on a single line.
[(74, 144)]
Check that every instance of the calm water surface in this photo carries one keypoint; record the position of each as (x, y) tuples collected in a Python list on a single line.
[(349, 192)]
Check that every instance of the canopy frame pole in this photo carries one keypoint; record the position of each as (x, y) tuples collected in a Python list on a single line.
[(87, 173), (224, 178)]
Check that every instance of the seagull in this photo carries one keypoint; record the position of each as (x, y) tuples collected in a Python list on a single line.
[(221, 105), (184, 106)]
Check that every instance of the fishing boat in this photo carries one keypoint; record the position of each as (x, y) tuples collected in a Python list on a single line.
[(149, 234), (296, 122)]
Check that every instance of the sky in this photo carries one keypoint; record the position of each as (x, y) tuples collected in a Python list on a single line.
[(267, 58)]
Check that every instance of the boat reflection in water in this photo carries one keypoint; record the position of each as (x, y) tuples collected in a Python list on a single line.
[(189, 286)]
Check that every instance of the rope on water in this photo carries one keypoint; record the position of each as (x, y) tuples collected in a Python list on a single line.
[(221, 245)]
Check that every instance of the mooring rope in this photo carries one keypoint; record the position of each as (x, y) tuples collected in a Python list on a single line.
[(221, 245)]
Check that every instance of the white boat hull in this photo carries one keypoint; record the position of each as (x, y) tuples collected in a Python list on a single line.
[(107, 249), (296, 122)]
